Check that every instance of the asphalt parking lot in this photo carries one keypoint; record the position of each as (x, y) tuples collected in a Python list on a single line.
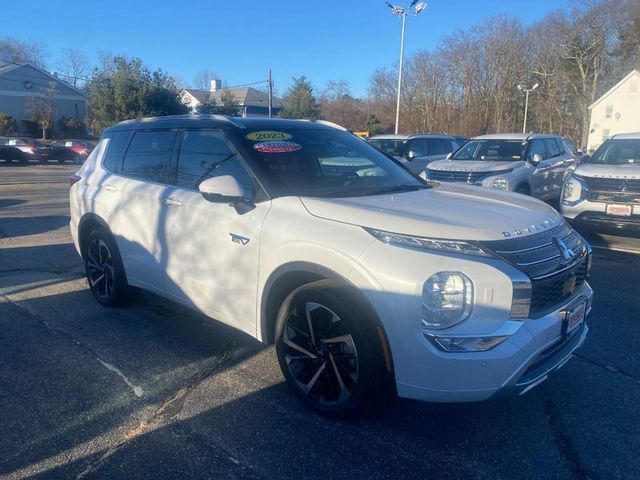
[(155, 391)]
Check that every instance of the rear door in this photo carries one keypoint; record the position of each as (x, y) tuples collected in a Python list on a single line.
[(135, 197), (559, 160), (539, 180)]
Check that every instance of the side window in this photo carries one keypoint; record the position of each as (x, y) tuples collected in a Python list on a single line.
[(552, 147), (562, 146), (148, 156), (419, 146), (537, 147), (206, 154), (438, 146), (115, 149)]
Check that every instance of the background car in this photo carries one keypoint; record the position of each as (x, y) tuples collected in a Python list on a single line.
[(578, 153), (532, 164), (606, 188), (75, 151), (417, 150), (24, 150)]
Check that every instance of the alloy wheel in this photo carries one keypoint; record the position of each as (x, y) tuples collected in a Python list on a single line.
[(100, 270), (320, 354)]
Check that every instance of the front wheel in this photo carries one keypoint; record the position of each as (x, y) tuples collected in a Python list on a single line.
[(104, 270), (328, 349)]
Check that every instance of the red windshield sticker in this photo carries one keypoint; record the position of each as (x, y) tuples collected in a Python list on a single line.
[(276, 147)]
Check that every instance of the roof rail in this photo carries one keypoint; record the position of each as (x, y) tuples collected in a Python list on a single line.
[(222, 118), (327, 123)]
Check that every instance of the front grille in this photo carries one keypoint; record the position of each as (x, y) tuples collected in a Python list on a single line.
[(555, 260), (625, 185), (444, 176), (614, 197)]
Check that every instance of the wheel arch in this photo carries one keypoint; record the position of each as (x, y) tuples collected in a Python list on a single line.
[(89, 222), (286, 278)]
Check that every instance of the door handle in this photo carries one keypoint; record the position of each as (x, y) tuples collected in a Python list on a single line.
[(173, 202), (110, 188)]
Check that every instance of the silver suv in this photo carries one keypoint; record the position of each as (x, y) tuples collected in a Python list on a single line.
[(417, 150), (533, 164)]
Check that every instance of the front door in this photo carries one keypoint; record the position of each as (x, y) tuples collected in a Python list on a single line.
[(212, 250)]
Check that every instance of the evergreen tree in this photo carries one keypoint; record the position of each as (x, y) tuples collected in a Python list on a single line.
[(300, 101)]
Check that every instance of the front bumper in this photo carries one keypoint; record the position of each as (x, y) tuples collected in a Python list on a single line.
[(514, 367), (595, 213)]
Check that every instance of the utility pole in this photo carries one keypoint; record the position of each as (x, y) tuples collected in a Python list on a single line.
[(270, 94)]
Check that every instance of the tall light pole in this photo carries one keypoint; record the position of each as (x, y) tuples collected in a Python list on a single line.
[(523, 88), (402, 12)]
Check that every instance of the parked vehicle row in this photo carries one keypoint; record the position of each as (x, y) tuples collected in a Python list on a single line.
[(25, 150), (366, 277)]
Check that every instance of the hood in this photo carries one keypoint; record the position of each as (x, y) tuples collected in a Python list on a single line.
[(628, 171), (474, 165), (453, 211)]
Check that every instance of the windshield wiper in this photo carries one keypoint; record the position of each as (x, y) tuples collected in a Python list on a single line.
[(396, 189)]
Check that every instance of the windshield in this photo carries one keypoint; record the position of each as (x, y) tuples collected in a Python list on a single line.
[(618, 152), (394, 147), (326, 163), (491, 150)]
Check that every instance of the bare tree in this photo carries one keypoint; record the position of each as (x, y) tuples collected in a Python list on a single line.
[(202, 80), (42, 108), (18, 51), (73, 65)]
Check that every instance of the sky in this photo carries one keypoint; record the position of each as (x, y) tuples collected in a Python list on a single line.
[(240, 40)]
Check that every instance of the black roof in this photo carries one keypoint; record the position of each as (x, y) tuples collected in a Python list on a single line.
[(219, 121)]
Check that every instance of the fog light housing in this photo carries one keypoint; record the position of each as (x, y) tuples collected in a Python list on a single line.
[(447, 299), (499, 183), (466, 344)]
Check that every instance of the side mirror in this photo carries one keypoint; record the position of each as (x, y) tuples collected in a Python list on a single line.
[(222, 189), (411, 154), (226, 189), (537, 158), (449, 155)]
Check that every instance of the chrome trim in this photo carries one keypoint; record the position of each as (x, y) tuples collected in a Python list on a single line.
[(527, 264), (569, 267), (525, 250), (507, 329)]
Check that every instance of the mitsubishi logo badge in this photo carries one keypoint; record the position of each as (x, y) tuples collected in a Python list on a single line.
[(565, 251), (452, 176), (622, 186)]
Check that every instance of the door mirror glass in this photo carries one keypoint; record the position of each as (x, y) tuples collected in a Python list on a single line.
[(449, 155), (222, 189), (411, 154), (537, 158)]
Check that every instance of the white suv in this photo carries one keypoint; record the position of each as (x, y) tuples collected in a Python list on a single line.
[(605, 189), (533, 164), (363, 275)]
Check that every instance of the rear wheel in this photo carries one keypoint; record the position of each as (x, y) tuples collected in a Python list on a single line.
[(328, 350), (104, 270)]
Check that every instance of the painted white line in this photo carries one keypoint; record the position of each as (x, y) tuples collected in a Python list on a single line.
[(137, 391), (615, 249)]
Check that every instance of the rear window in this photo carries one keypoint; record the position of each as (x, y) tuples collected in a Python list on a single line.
[(117, 143), (148, 156)]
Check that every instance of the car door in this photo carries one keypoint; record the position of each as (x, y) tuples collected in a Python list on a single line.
[(134, 199), (212, 250), (559, 160), (540, 180), (417, 154)]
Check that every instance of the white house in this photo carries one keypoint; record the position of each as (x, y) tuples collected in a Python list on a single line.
[(19, 83), (251, 102), (617, 111)]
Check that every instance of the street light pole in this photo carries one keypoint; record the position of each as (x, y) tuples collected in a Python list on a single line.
[(402, 12), (526, 91)]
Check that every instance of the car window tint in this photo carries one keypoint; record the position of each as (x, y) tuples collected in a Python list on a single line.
[(562, 146), (537, 147), (115, 149), (438, 146), (206, 154), (148, 156), (551, 147), (419, 147)]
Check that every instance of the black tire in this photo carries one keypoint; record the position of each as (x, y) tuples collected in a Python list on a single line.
[(337, 377), (104, 270), (523, 189)]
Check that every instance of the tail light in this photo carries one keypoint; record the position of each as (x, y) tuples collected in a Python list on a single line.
[(73, 179), (80, 150)]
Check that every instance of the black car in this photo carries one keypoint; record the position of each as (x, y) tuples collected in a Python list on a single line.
[(24, 150), (75, 151)]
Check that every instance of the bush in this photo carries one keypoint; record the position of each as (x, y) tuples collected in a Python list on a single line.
[(8, 124), (71, 128)]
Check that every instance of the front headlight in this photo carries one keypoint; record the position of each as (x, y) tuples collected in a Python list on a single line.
[(447, 299), (430, 244), (499, 183), (574, 190)]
